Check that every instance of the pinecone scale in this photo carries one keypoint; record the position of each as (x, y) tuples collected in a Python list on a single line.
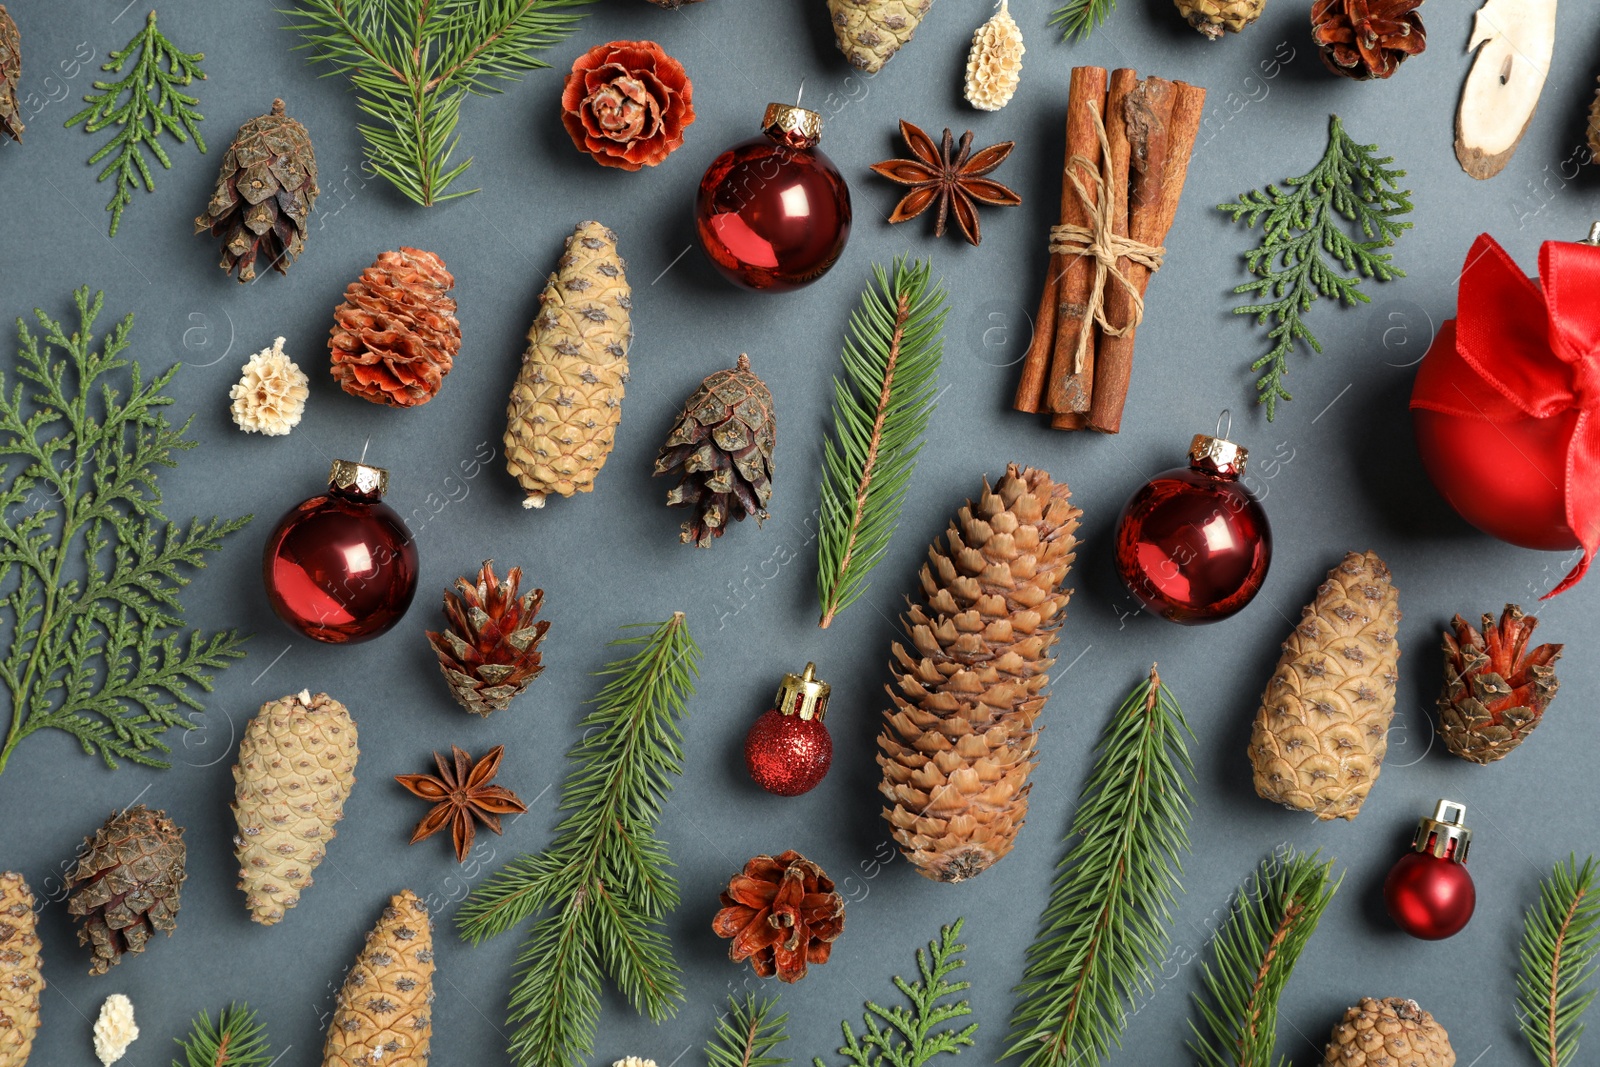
[(21, 980), (490, 651), (265, 193), (721, 449), (127, 884), (1496, 688)]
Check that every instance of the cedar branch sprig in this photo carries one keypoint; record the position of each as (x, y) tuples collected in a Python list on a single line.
[(1302, 246), (163, 69), (1560, 942), (1079, 18), (747, 1033), (1105, 929), (599, 893), (236, 1039), (880, 413), (90, 569)]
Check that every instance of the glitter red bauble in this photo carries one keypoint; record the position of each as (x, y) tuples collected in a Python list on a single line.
[(1428, 897), (788, 755)]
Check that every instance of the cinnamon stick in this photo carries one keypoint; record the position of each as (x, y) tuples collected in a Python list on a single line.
[(1036, 363), (1069, 387)]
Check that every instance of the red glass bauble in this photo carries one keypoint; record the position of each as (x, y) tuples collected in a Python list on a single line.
[(1428, 897), (342, 568), (773, 212), (788, 749), (1193, 544)]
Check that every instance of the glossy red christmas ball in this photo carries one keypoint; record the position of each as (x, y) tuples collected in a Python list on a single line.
[(773, 212), (342, 568), (788, 749), (1428, 897)]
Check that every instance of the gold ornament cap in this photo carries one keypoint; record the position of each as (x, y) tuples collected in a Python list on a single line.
[(1215, 455), (1594, 235), (352, 478), (804, 695), (792, 125), (1445, 835)]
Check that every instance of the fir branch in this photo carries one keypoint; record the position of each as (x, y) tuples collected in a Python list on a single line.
[(1079, 18), (1302, 246), (1253, 956), (163, 69), (1560, 942), (599, 893), (880, 414), (90, 570), (1104, 931), (895, 1037), (747, 1033), (236, 1039), (414, 62)]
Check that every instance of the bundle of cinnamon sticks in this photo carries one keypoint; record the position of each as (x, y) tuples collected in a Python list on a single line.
[(1128, 148)]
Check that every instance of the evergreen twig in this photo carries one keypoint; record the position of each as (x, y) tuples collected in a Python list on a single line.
[(747, 1034), (1079, 18), (1560, 942), (236, 1039)]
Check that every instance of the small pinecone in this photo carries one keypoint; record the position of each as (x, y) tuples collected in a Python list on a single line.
[(396, 335), (959, 744), (297, 764), (265, 193), (1364, 39), (490, 651), (562, 420), (127, 883), (781, 913), (1213, 18), (1392, 1032), (994, 62), (383, 1014), (10, 72), (870, 32), (1495, 687), (20, 979), (1322, 729), (722, 450)]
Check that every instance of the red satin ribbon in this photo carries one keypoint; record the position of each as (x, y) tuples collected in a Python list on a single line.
[(1522, 352)]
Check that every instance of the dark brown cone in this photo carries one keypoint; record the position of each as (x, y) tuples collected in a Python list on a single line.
[(1496, 688), (396, 335), (782, 913), (490, 650), (10, 72), (1364, 39), (264, 196), (126, 885)]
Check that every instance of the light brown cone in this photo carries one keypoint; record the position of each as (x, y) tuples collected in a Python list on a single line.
[(1321, 731), (127, 884), (10, 72), (265, 193), (562, 419), (20, 979), (1392, 1032), (489, 652), (384, 1013), (1213, 18), (396, 335), (958, 746), (870, 32), (297, 764)]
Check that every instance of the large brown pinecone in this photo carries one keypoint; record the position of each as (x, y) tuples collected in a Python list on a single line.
[(721, 449), (782, 913), (265, 193), (20, 979), (490, 651), (384, 1012), (1392, 1032), (959, 744), (396, 335), (1367, 38), (127, 883), (1495, 687), (10, 72)]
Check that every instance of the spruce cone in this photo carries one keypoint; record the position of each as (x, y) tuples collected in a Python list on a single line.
[(383, 1013), (1388, 1033), (870, 32), (958, 747), (562, 419), (396, 336), (20, 979), (265, 193), (127, 883), (782, 913), (297, 764), (1364, 39), (1495, 687), (1213, 18), (10, 72), (1322, 729), (490, 651), (721, 448)]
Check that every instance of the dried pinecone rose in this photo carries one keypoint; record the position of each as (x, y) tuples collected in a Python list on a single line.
[(396, 335), (627, 104), (782, 913), (1364, 39)]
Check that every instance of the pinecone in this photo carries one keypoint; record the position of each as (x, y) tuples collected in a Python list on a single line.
[(296, 768), (721, 448), (265, 193), (10, 72), (782, 913), (396, 336), (994, 62), (490, 651), (562, 419), (1495, 687), (20, 979), (1389, 1033), (1216, 17), (127, 883), (958, 747), (382, 1014), (870, 32), (1321, 731), (1364, 39)]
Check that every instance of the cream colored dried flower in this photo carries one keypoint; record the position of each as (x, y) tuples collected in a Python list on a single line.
[(271, 396), (115, 1030), (994, 66), (633, 1061)]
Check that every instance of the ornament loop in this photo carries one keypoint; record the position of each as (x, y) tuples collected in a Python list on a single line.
[(1225, 423)]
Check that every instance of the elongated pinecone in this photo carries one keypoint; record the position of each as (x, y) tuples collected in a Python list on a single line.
[(265, 193), (957, 748), (1367, 38), (1495, 686), (1392, 1032), (127, 883), (490, 651), (782, 913), (383, 1015), (721, 449), (396, 335), (20, 979), (870, 32), (10, 72)]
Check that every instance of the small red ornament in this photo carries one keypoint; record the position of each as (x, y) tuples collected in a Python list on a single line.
[(342, 567), (1193, 544), (788, 749), (1429, 893), (773, 212)]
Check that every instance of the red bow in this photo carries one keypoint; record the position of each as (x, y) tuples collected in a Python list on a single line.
[(1533, 354)]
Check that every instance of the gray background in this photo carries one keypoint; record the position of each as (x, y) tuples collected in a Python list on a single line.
[(1347, 477)]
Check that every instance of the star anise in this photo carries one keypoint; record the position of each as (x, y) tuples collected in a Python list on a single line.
[(949, 175), (461, 793)]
